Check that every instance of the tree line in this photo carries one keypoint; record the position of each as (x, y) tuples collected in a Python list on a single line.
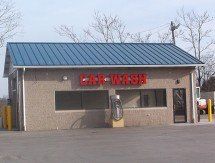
[(195, 33)]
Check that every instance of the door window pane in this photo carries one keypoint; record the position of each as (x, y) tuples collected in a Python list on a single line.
[(179, 103)]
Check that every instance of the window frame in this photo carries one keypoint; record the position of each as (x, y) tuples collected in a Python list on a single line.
[(81, 109)]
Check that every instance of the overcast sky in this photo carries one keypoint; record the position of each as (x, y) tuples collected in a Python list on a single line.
[(41, 16)]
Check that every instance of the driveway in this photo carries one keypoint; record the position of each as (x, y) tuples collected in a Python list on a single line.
[(160, 144)]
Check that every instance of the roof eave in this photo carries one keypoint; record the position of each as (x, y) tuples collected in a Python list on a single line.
[(112, 66)]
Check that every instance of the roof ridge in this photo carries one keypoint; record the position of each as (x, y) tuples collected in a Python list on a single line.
[(37, 42)]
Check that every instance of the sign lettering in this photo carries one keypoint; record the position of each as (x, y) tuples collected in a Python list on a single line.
[(113, 79)]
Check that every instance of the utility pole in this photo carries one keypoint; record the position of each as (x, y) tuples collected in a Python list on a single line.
[(173, 27)]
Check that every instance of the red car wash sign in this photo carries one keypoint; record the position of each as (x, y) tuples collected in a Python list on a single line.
[(113, 79)]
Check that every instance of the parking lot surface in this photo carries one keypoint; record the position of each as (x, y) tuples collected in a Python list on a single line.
[(158, 144)]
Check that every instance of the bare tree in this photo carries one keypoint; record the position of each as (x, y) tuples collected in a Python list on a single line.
[(209, 69), (161, 34), (9, 20), (104, 28), (197, 34), (67, 31), (141, 38), (209, 84), (195, 30), (109, 28), (164, 37)]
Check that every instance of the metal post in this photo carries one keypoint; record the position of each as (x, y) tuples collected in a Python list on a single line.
[(9, 118), (4, 116), (210, 118), (172, 27)]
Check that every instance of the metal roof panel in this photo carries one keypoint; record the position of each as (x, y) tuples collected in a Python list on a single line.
[(33, 54)]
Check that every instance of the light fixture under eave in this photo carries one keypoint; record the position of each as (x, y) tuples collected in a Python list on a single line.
[(65, 78), (177, 81)]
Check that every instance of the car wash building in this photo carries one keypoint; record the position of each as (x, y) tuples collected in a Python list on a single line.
[(68, 85)]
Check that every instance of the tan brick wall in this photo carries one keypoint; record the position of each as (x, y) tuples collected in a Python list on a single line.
[(40, 87)]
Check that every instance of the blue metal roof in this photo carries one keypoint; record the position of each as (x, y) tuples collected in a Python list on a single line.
[(27, 54)]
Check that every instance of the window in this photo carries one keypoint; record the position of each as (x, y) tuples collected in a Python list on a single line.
[(129, 98), (95, 100), (79, 100), (142, 98), (153, 98), (68, 100)]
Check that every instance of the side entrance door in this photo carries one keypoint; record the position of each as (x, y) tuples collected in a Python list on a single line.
[(179, 105)]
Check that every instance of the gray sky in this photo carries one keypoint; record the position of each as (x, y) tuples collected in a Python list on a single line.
[(41, 16)]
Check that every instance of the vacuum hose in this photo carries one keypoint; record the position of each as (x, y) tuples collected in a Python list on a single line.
[(116, 109)]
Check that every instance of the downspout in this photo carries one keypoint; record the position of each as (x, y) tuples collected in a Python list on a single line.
[(193, 98), (23, 98)]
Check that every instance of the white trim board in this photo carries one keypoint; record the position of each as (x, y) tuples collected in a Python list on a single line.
[(111, 66)]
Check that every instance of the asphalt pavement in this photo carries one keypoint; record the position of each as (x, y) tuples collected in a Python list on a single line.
[(151, 144)]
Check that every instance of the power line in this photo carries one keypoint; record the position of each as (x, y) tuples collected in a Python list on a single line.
[(161, 29), (167, 24)]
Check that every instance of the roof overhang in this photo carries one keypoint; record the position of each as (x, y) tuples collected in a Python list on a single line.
[(109, 66), (8, 66)]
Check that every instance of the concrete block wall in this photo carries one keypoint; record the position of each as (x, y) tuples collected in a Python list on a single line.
[(41, 84)]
